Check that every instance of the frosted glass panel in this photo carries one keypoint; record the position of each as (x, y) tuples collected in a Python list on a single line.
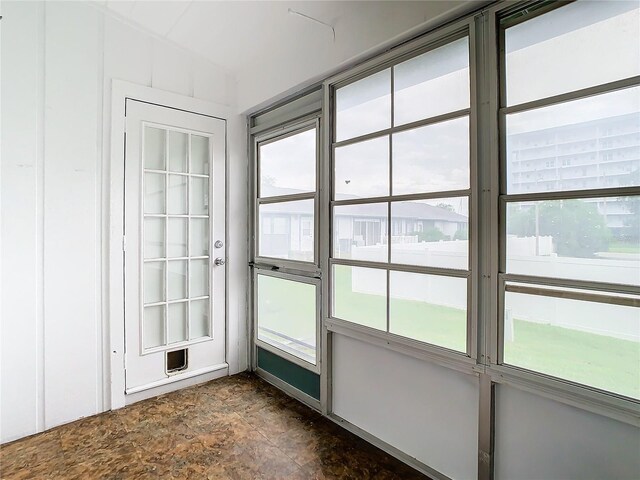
[(362, 169), (199, 237), (360, 295), (177, 236), (434, 158), (360, 232), (199, 154), (153, 282), (153, 237), (154, 193), (199, 318), (576, 46), (433, 83), (154, 148), (177, 195), (199, 273), (429, 308), (364, 106), (177, 279), (178, 148), (177, 328), (199, 196), (433, 232), (285, 324), (288, 165), (153, 328)]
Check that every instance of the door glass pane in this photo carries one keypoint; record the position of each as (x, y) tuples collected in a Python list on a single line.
[(432, 233), (362, 169), (153, 237), (177, 277), (199, 194), (434, 158), (433, 83), (429, 308), (177, 322), (286, 230), (288, 165), (153, 326), (593, 343), (364, 106), (199, 318), (594, 239), (199, 278), (287, 316), (154, 148), (360, 232), (177, 236), (360, 295), (153, 282), (178, 151), (576, 46), (584, 144), (199, 237), (154, 193), (199, 154), (177, 195)]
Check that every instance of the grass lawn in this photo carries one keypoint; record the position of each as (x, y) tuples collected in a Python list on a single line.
[(624, 247), (600, 361)]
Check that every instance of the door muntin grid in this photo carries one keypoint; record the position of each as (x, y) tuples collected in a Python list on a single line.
[(175, 266)]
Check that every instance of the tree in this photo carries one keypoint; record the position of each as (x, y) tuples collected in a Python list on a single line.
[(576, 226), (431, 234)]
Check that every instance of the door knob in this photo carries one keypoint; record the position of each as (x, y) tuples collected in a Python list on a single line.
[(219, 261)]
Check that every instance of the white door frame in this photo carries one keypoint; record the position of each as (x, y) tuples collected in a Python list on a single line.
[(113, 321)]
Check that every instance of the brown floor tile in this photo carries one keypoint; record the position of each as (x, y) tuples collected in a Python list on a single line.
[(233, 428)]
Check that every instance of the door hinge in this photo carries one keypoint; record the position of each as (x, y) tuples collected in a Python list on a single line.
[(124, 244)]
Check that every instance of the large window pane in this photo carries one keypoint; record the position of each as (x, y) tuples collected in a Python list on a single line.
[(576, 46), (360, 295), (593, 343), (364, 106), (433, 83), (429, 308), (286, 230), (362, 169), (287, 316), (434, 158), (432, 233), (584, 144), (288, 165), (592, 239), (360, 232)]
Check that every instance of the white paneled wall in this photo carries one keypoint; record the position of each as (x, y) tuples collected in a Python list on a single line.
[(424, 410), (58, 59)]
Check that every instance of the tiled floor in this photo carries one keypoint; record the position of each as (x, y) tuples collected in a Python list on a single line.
[(238, 427)]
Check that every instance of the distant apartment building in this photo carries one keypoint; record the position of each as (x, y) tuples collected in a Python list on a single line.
[(602, 153)]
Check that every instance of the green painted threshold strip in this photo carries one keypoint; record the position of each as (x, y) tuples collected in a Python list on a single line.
[(296, 376)]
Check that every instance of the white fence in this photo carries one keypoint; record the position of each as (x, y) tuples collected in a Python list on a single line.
[(609, 320)]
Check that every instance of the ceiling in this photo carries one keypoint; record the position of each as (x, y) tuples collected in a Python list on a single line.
[(271, 50)]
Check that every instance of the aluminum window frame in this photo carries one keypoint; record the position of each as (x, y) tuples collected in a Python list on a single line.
[(271, 136), (465, 28), (623, 408), (315, 368), (485, 211)]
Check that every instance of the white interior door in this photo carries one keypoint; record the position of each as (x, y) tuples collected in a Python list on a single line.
[(174, 245)]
